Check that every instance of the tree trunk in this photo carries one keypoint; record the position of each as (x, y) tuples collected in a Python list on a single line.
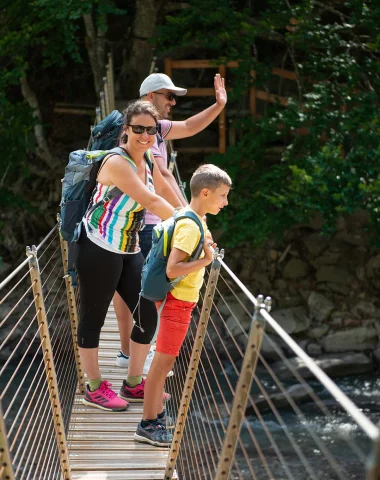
[(138, 58), (43, 151), (95, 44)]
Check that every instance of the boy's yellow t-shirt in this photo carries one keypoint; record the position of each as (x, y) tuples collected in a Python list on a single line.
[(186, 237)]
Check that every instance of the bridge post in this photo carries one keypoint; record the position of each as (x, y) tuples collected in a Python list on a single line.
[(6, 469), (373, 464), (73, 314), (51, 375), (193, 364), (242, 390)]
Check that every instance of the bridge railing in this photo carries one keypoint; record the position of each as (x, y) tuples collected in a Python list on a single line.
[(249, 412), (38, 371)]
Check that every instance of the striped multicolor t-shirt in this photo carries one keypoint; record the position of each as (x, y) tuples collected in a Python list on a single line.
[(116, 223)]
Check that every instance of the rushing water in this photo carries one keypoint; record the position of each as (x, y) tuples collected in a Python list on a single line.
[(311, 445)]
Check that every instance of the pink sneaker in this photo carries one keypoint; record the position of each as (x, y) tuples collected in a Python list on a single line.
[(104, 398), (136, 394)]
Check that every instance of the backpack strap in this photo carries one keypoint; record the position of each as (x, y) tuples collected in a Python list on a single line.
[(198, 249)]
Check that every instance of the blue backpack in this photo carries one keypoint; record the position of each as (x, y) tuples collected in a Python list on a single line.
[(155, 285), (105, 134)]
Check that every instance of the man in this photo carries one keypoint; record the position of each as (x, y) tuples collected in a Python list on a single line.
[(159, 90)]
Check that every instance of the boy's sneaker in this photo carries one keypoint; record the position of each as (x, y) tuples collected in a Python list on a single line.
[(136, 394), (167, 421), (123, 361), (104, 398), (154, 433)]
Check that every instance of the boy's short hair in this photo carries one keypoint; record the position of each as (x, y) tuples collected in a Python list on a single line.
[(208, 176)]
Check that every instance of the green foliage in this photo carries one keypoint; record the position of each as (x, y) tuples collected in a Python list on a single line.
[(333, 167), (35, 35)]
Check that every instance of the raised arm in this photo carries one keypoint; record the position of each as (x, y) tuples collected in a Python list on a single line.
[(199, 122), (117, 171)]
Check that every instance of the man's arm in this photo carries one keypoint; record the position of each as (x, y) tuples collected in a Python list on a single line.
[(199, 122), (168, 176)]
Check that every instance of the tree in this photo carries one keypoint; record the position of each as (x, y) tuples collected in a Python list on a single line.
[(334, 167)]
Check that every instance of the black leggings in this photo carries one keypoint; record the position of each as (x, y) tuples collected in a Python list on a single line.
[(101, 273)]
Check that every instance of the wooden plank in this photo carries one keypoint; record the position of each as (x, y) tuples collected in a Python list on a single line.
[(284, 73), (101, 443), (193, 64), (168, 66), (122, 475), (268, 97), (110, 444)]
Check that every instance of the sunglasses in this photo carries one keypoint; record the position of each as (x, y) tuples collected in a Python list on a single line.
[(139, 129), (170, 95)]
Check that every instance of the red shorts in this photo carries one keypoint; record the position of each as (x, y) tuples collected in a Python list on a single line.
[(174, 323)]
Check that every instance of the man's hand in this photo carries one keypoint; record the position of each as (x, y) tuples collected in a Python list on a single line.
[(220, 91)]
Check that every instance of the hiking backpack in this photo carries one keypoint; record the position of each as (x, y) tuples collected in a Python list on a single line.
[(155, 285), (79, 183), (105, 134)]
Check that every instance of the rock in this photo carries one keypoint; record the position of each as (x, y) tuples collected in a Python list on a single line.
[(238, 326), (289, 301), (364, 309), (328, 258), (316, 243), (376, 354), (329, 273), (318, 332), (298, 393), (361, 338), (320, 307), (314, 349), (280, 284), (357, 238), (337, 288), (338, 365), (229, 305), (295, 268), (372, 270), (270, 348), (292, 320)]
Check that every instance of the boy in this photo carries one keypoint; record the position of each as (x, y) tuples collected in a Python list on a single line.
[(209, 187)]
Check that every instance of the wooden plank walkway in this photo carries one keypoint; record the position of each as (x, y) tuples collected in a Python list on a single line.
[(101, 444)]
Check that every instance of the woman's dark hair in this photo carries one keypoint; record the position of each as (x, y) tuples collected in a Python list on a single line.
[(137, 107)]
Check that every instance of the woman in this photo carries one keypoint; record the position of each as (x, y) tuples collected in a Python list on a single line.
[(108, 255)]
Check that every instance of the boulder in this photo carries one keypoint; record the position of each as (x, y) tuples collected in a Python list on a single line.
[(372, 270), (318, 332), (364, 309), (320, 307), (292, 320), (298, 393), (316, 243), (270, 348), (314, 349), (295, 268), (333, 274), (338, 365), (361, 338)]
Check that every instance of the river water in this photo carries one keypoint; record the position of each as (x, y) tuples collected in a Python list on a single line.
[(333, 448)]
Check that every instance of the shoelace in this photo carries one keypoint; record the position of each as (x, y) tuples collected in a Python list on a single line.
[(106, 390)]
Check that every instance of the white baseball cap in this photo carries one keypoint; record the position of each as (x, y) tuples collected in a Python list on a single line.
[(156, 81)]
